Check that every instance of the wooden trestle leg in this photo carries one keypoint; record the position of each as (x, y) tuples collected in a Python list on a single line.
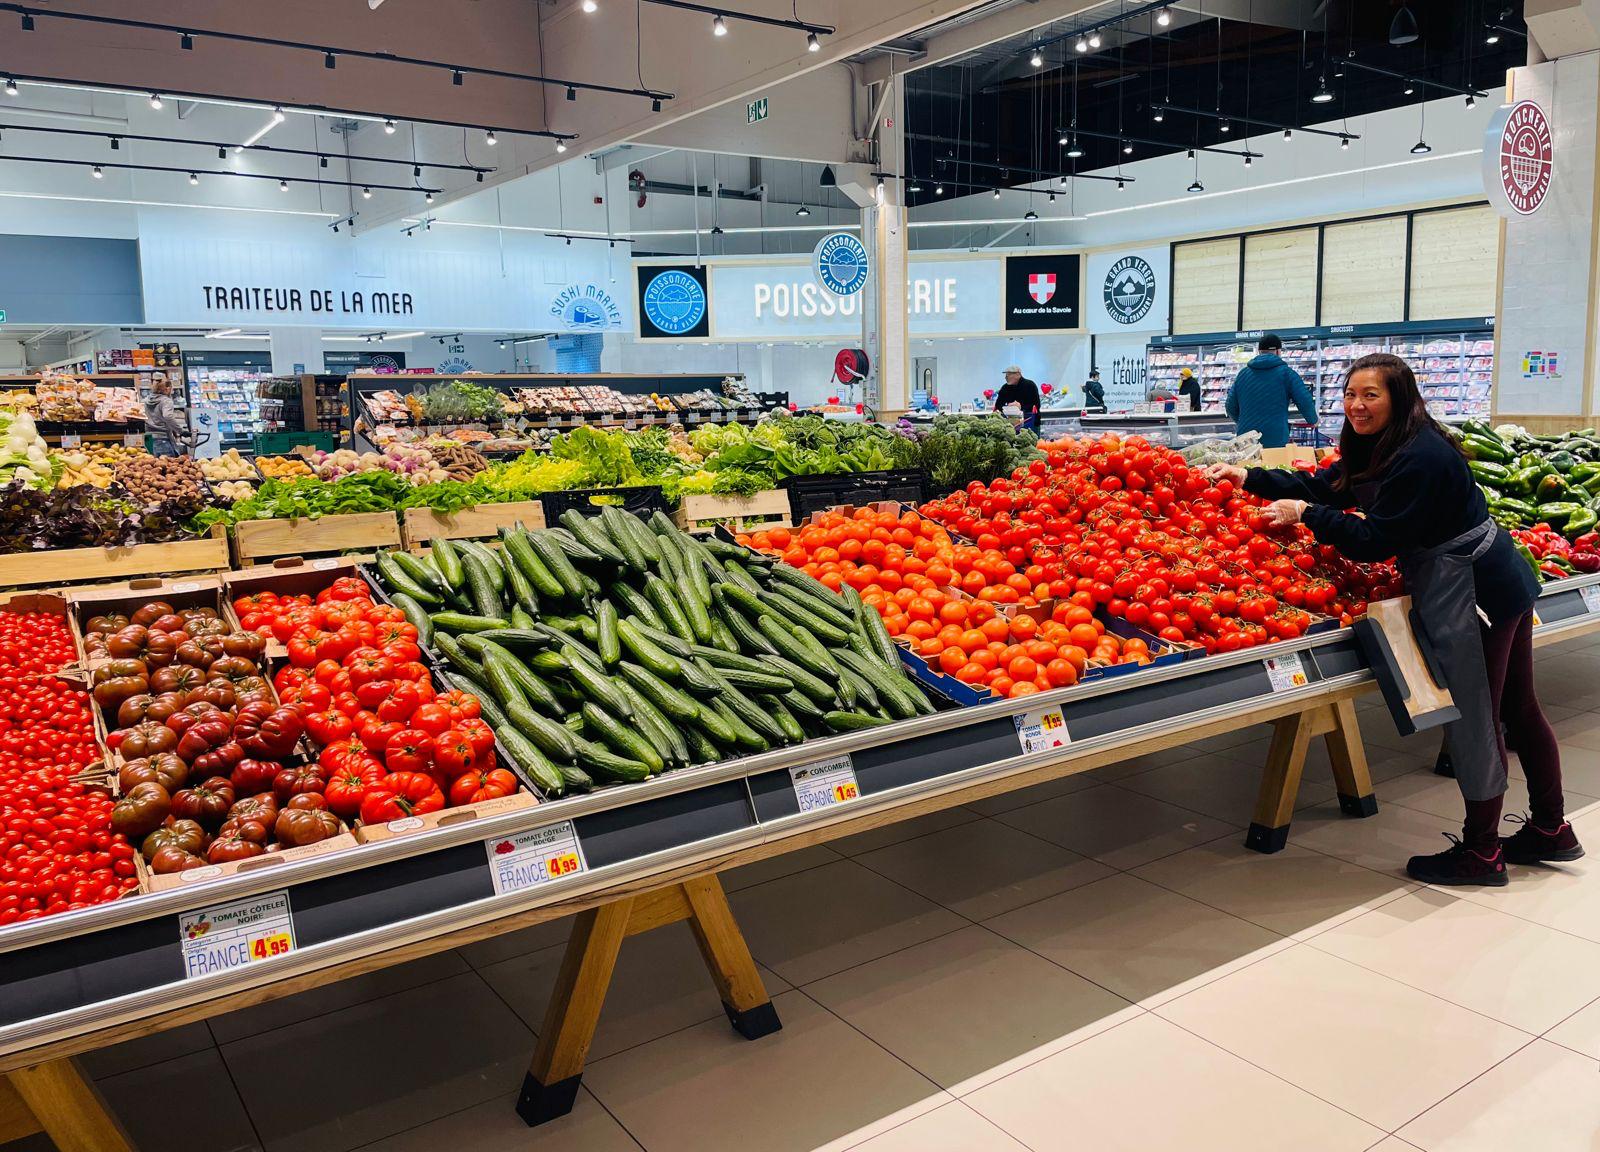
[(57, 1099), (551, 1085), (1286, 759)]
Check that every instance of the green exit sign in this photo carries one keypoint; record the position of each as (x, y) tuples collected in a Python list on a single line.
[(756, 111), (2, 315)]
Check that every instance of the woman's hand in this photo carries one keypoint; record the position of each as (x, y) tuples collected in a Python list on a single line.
[(1216, 472), (1282, 513)]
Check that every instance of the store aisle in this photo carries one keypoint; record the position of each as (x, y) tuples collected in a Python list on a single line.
[(1094, 963)]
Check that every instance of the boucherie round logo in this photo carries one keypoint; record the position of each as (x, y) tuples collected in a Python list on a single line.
[(1525, 157)]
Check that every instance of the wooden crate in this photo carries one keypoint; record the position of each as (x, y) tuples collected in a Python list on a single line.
[(769, 509), (64, 566), (368, 833), (256, 540), (421, 525)]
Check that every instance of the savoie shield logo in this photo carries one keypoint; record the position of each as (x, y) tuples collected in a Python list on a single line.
[(1130, 290), (674, 302), (1042, 286), (840, 261)]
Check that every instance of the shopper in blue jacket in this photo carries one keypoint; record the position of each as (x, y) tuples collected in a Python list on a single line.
[(1261, 394)]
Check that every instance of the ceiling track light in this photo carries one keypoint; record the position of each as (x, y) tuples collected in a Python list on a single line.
[(1344, 143), (572, 93), (719, 26), (27, 22), (489, 136), (366, 193), (155, 100), (1159, 114), (1288, 133), (97, 172), (1493, 36), (277, 115), (480, 177), (1094, 39), (330, 61), (997, 193), (193, 178), (812, 43), (455, 77), (11, 86), (1472, 101), (322, 161), (590, 7), (1036, 59), (428, 198), (561, 145), (283, 185), (1247, 160), (1082, 45), (1224, 127), (1409, 90), (186, 42), (1052, 196), (222, 153), (655, 105), (938, 189), (388, 127), (1164, 17), (1121, 184), (1127, 148), (116, 145)]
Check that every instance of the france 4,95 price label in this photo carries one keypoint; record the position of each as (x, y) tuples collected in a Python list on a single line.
[(1591, 597), (1286, 672), (1042, 730), (824, 783), (236, 935), (532, 858)]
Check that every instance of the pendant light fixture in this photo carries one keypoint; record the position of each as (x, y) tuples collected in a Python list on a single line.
[(1322, 95), (1420, 148), (1403, 28)]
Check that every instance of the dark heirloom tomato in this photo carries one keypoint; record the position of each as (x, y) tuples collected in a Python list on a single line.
[(111, 689), (170, 858), (196, 653), (206, 803), (246, 644), (130, 643), (220, 693), (262, 809), (205, 735), (193, 713), (297, 826), (147, 738), (185, 835), (177, 678), (160, 650), (150, 612), (233, 668), (311, 801), (229, 847), (251, 777), (268, 732), (293, 781), (164, 769), (141, 811), (144, 706), (219, 761), (106, 624)]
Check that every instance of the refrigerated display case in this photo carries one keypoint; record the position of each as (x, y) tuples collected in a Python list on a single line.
[(223, 397)]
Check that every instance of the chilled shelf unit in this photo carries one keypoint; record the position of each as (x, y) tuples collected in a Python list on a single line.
[(1454, 363), (223, 397)]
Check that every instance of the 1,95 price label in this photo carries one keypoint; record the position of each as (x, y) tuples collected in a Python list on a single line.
[(1286, 672), (529, 859), (235, 935), (824, 783), (1042, 730), (1591, 597)]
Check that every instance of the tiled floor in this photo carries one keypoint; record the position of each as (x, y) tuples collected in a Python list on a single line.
[(1091, 964)]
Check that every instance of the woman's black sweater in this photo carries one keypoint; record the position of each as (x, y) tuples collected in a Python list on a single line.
[(1424, 497)]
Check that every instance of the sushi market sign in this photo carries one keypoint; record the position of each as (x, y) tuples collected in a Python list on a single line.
[(1518, 159)]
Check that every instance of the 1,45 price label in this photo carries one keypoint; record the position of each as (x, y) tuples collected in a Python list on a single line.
[(529, 859), (824, 783), (1286, 672), (236, 935)]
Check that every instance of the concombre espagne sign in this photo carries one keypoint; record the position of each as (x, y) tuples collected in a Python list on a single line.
[(1518, 159)]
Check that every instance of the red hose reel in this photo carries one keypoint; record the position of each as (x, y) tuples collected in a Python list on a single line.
[(851, 366)]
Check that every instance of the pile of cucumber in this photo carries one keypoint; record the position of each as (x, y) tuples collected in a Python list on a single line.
[(608, 649)]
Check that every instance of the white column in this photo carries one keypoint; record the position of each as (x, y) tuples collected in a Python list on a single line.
[(291, 346)]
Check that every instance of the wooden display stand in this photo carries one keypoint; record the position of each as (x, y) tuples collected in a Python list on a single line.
[(551, 1085), (257, 540), (60, 1101), (1286, 758), (769, 509), (482, 522), (64, 566)]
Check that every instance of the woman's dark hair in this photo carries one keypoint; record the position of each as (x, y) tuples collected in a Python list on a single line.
[(1364, 457)]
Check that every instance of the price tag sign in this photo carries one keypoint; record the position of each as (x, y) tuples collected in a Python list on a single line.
[(529, 859), (1286, 672), (1591, 597), (1536, 621), (236, 935), (824, 783), (132, 440), (70, 439), (186, 586), (1042, 730)]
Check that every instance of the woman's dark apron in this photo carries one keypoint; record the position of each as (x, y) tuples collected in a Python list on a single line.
[(1440, 582)]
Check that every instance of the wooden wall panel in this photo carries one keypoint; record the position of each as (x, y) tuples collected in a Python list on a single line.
[(1205, 286), (1364, 271), (1280, 279), (1454, 262)]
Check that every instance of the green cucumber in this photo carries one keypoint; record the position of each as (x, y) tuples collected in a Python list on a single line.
[(525, 755), (811, 644), (672, 610), (739, 554), (668, 641), (551, 736), (520, 546), (607, 765), (864, 691), (744, 736), (597, 686), (420, 572), (519, 589), (447, 560), (798, 702), (417, 615), (457, 656), (622, 538), (480, 587), (492, 713), (745, 634), (853, 721), (647, 652), (747, 710), (697, 677), (486, 557), (622, 739), (746, 600), (519, 617), (806, 621), (533, 689), (657, 726), (590, 534), (814, 687), (897, 693), (791, 648), (517, 638), (608, 643), (465, 622), (675, 704), (722, 637), (748, 681), (871, 624), (737, 574), (710, 721), (632, 600), (643, 538), (574, 549), (785, 719), (701, 748), (551, 554), (573, 722), (396, 579)]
